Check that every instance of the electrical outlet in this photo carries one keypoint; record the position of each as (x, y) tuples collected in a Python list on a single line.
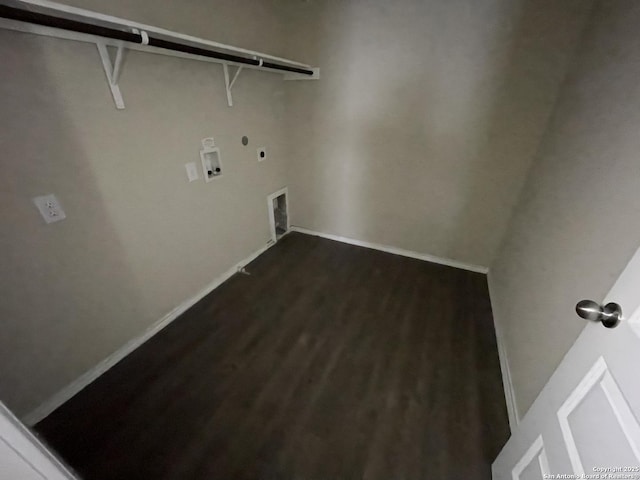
[(262, 154), (50, 208)]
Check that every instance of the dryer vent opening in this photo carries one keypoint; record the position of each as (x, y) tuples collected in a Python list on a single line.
[(278, 214)]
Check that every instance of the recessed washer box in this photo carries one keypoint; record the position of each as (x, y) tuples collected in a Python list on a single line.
[(211, 163)]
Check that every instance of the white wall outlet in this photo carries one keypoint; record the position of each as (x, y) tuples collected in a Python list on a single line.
[(192, 171), (50, 208), (262, 154)]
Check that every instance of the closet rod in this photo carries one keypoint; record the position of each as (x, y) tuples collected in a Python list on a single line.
[(136, 37)]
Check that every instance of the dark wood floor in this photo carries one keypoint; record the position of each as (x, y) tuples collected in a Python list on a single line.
[(328, 362)]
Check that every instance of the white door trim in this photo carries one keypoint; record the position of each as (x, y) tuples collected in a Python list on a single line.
[(507, 382)]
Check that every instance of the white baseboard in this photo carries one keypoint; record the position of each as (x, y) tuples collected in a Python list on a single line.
[(396, 251), (507, 383), (89, 376)]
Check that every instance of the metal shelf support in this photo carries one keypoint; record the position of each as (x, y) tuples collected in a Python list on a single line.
[(229, 84), (112, 71)]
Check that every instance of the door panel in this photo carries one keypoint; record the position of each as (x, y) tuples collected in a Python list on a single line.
[(533, 464), (585, 420), (597, 424), (13, 466), (22, 456)]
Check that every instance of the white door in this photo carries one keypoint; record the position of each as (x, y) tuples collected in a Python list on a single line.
[(584, 423), (22, 456)]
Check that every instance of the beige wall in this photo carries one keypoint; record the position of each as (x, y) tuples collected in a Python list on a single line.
[(578, 222), (423, 126), (138, 239), (419, 135)]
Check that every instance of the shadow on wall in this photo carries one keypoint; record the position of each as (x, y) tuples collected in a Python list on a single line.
[(427, 117), (543, 46), (59, 313)]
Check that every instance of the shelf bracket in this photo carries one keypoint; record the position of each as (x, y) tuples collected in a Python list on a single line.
[(112, 71), (229, 84)]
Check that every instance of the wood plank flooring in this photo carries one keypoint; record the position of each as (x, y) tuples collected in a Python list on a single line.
[(329, 361)]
